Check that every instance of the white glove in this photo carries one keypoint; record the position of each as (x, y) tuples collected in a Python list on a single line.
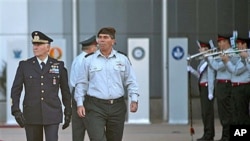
[(210, 96), (189, 68)]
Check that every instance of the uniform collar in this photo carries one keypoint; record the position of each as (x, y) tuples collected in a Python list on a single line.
[(40, 61), (112, 54)]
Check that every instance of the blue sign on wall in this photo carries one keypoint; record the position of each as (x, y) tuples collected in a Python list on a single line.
[(178, 52)]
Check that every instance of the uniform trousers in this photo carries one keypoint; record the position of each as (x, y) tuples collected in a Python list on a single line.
[(207, 113), (223, 94), (104, 119), (78, 127), (35, 132), (240, 100)]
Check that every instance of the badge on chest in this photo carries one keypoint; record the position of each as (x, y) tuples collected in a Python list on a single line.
[(54, 68), (54, 81)]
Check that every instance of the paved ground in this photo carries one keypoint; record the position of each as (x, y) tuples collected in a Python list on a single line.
[(153, 132)]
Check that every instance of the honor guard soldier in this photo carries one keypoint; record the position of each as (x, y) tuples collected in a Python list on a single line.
[(242, 88), (100, 89), (206, 77), (223, 86), (78, 128), (42, 77)]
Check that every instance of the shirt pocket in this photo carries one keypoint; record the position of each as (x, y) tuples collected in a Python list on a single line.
[(119, 67), (31, 80), (94, 69)]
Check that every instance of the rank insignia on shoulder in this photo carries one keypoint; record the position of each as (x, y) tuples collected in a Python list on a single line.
[(88, 54), (122, 53)]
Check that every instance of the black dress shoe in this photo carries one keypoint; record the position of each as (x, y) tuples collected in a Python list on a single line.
[(200, 139)]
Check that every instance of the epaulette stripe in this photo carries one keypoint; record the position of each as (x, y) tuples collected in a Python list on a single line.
[(88, 54), (125, 55), (122, 53)]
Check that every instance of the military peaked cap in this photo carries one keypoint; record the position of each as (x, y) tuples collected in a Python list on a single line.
[(39, 37), (88, 41)]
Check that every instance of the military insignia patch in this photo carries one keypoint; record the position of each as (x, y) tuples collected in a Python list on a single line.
[(54, 68)]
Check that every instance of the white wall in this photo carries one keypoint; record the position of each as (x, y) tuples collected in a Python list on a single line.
[(13, 36)]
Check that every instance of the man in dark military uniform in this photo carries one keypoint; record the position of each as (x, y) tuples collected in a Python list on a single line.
[(41, 76)]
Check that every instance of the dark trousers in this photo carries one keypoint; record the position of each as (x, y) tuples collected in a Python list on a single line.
[(78, 127), (207, 112), (35, 132), (240, 100), (104, 120), (223, 94)]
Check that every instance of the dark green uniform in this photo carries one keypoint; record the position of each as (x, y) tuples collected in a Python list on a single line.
[(41, 104)]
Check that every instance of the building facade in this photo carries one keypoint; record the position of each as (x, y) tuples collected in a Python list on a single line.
[(70, 21)]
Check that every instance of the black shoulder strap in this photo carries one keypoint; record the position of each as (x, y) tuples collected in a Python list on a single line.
[(125, 55), (199, 79), (88, 54), (122, 53)]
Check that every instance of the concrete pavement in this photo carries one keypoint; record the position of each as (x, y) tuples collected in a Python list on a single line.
[(156, 131)]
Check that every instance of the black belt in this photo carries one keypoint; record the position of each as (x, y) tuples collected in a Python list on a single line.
[(105, 101)]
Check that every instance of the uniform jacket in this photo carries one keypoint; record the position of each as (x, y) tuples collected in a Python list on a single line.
[(219, 67), (106, 78), (207, 75), (41, 103)]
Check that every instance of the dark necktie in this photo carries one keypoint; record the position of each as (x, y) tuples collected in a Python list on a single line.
[(43, 65)]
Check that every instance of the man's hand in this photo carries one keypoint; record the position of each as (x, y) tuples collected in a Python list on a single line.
[(66, 121), (244, 54), (224, 58), (133, 106), (20, 118), (81, 111)]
